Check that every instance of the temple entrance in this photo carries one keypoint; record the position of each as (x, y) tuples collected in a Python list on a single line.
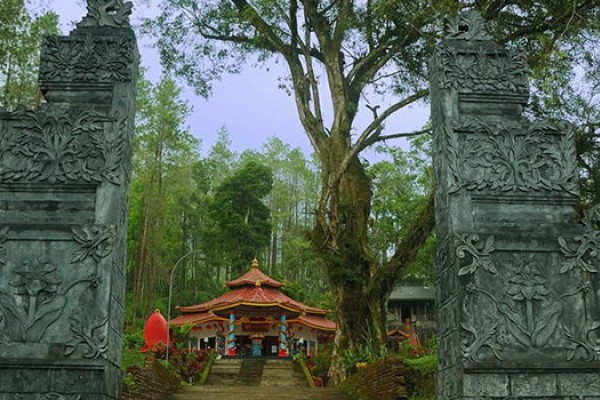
[(257, 346), (270, 346)]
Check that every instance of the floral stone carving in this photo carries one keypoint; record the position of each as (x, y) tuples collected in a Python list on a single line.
[(525, 316), (52, 148), (508, 159), (584, 254), (96, 241), (479, 253), (92, 337), (479, 72), (87, 58), (42, 299)]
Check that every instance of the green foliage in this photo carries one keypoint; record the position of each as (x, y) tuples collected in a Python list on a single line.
[(21, 34), (162, 190), (188, 364), (241, 226), (133, 340), (402, 184), (132, 358), (353, 358), (420, 377)]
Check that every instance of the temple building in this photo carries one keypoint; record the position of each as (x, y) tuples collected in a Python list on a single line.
[(255, 318)]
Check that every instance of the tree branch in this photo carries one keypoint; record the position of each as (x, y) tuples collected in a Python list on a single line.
[(246, 10), (379, 138), (413, 238), (371, 132), (316, 97)]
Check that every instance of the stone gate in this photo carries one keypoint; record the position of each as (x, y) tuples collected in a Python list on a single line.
[(64, 176), (517, 271)]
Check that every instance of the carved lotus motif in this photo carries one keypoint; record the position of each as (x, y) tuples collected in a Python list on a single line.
[(527, 285), (36, 279)]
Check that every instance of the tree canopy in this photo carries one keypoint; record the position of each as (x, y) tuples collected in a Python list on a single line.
[(339, 54), (241, 221), (20, 36)]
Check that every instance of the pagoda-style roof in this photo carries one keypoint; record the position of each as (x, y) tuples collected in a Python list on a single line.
[(254, 277), (254, 290), (257, 296)]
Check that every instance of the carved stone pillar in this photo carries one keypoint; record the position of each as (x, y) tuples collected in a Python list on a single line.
[(64, 177), (517, 275)]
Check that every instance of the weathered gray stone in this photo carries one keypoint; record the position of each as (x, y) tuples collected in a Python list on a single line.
[(534, 384), (495, 385), (579, 384), (517, 276), (64, 177)]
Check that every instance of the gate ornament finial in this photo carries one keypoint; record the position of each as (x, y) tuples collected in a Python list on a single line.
[(469, 25), (114, 13)]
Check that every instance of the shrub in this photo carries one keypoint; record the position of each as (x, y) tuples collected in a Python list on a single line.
[(420, 377), (186, 363)]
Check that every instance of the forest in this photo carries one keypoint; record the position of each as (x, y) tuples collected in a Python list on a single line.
[(335, 227)]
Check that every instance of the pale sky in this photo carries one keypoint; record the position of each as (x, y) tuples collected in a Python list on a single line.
[(250, 104)]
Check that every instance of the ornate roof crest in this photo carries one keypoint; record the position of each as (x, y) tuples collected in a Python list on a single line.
[(113, 13), (469, 25)]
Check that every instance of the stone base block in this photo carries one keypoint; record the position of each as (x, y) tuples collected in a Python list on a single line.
[(59, 381)]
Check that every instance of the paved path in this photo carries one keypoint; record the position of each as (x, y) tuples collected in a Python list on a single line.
[(257, 379)]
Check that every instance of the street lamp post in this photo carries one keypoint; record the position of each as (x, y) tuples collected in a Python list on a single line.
[(171, 274)]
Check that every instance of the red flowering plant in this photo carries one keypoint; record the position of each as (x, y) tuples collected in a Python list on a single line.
[(187, 363), (318, 365)]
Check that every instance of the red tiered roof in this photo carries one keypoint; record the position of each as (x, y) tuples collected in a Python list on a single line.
[(254, 289), (254, 277)]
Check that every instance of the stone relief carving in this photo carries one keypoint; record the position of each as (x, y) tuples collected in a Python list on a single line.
[(3, 239), (60, 148), (468, 244), (584, 254), (96, 241), (585, 341), (581, 255), (39, 300), (466, 26), (526, 313), (92, 337), (87, 58), (507, 159), (51, 396), (114, 13), (479, 72)]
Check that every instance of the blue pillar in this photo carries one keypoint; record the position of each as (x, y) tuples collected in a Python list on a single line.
[(283, 336)]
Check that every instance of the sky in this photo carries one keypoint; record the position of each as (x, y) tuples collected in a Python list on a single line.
[(250, 104)]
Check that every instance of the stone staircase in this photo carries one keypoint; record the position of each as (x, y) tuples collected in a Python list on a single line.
[(257, 379)]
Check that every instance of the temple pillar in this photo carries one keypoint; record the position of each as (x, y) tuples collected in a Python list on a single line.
[(515, 272), (231, 335), (64, 180), (283, 336)]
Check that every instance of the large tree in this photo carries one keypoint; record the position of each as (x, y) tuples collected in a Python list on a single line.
[(337, 53), (241, 226)]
